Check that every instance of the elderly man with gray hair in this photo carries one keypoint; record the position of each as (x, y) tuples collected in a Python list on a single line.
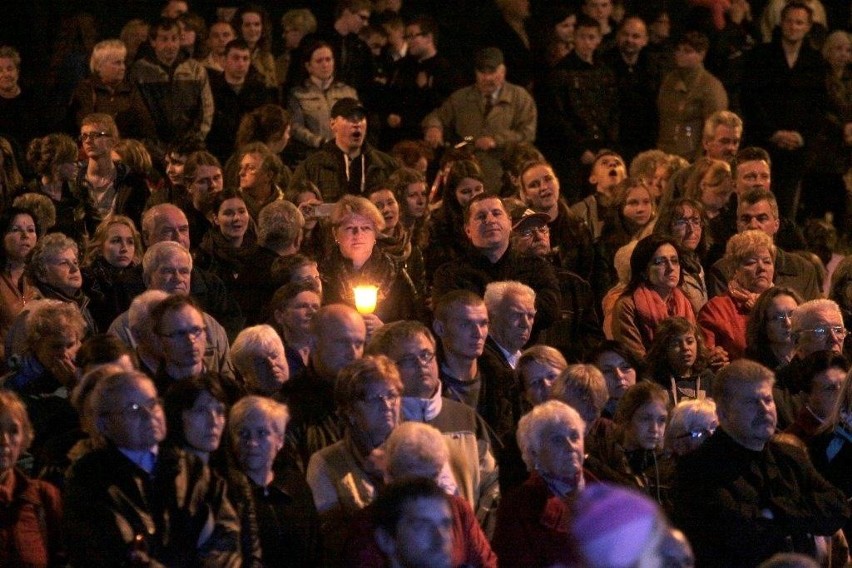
[(511, 314), (258, 355), (167, 266)]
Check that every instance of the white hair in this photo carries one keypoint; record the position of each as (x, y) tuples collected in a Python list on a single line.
[(497, 292), (537, 420)]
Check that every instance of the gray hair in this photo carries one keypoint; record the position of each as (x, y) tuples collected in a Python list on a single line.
[(804, 315), (688, 415), (152, 215), (251, 343), (541, 417), (159, 253), (721, 118), (106, 390), (139, 314), (414, 446), (277, 413), (103, 50), (279, 224), (497, 292), (47, 247)]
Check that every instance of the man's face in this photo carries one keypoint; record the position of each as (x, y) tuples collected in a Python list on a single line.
[(795, 25), (349, 132), (600, 10), (532, 238), (586, 41), (724, 144), (488, 226), (748, 414), (758, 216), (236, 64), (355, 21), (183, 337), (174, 8), (489, 82), (418, 42), (173, 275), (825, 388), (824, 330), (464, 332), (753, 175), (607, 172), (512, 324), (339, 343), (166, 45), (97, 141), (424, 535), (220, 34), (632, 37), (170, 225), (8, 74), (540, 188), (418, 367), (134, 418), (208, 179)]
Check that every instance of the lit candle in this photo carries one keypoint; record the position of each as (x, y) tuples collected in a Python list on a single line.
[(365, 298)]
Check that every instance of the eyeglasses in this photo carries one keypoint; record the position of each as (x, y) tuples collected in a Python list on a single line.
[(697, 434), (140, 409), (390, 397), (782, 317), (412, 361), (92, 136), (694, 222), (543, 230), (822, 331), (193, 333)]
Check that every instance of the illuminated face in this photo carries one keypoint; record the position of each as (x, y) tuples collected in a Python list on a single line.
[(753, 175), (183, 336), (795, 25), (340, 344), (220, 34), (20, 239), (253, 176), (296, 316), (377, 412), (237, 64), (174, 168), (512, 325), (173, 275), (349, 132), (257, 443), (638, 205), (59, 348), (232, 219), (356, 237), (825, 389), (715, 195), (208, 179), (687, 228), (724, 144), (417, 364), (170, 225), (62, 271), (135, 419), (112, 69), (755, 273), (204, 423), (561, 450), (619, 374), (97, 141), (748, 414), (119, 246), (779, 325), (538, 378), (586, 41), (824, 330), (467, 189), (489, 82), (607, 172), (632, 37), (664, 270), (540, 188), (489, 226), (417, 199), (757, 216), (464, 332), (251, 28), (424, 535), (681, 353)]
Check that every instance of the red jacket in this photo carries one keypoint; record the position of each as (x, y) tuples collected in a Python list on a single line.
[(30, 516)]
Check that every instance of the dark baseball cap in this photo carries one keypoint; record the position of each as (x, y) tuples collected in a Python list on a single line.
[(348, 107), (488, 60)]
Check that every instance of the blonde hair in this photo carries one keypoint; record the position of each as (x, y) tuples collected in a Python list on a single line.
[(95, 246), (747, 244), (104, 50), (349, 205)]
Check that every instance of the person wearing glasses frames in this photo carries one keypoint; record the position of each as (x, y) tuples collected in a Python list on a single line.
[(691, 423), (769, 331), (134, 479)]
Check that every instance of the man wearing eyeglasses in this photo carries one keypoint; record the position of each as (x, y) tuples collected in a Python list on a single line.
[(136, 502), (412, 347), (742, 497), (815, 326)]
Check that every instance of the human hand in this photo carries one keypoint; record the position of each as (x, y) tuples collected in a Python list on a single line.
[(485, 143)]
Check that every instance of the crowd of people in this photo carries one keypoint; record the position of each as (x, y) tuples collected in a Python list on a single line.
[(575, 296)]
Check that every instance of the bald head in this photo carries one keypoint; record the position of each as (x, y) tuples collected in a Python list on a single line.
[(339, 335)]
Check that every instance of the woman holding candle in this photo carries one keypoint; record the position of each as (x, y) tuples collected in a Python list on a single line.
[(356, 261)]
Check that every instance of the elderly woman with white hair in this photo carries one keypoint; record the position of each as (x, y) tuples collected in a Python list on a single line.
[(691, 423), (286, 517), (551, 439), (258, 356), (413, 450), (108, 91)]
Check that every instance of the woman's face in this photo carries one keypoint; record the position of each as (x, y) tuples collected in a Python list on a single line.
[(664, 269), (112, 68), (467, 189), (59, 349), (257, 444), (321, 64), (119, 246), (839, 54), (681, 353), (647, 426), (565, 29), (560, 452), (377, 413), (416, 199), (204, 423), (755, 273), (298, 313), (388, 206), (251, 28), (779, 324), (232, 218), (687, 228), (618, 373), (62, 271), (11, 441), (638, 206), (538, 378), (20, 238), (356, 237)]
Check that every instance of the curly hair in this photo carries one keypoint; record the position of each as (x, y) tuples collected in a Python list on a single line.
[(657, 360), (43, 154)]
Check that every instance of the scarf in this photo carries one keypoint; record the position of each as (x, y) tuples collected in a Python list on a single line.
[(651, 309), (744, 299)]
